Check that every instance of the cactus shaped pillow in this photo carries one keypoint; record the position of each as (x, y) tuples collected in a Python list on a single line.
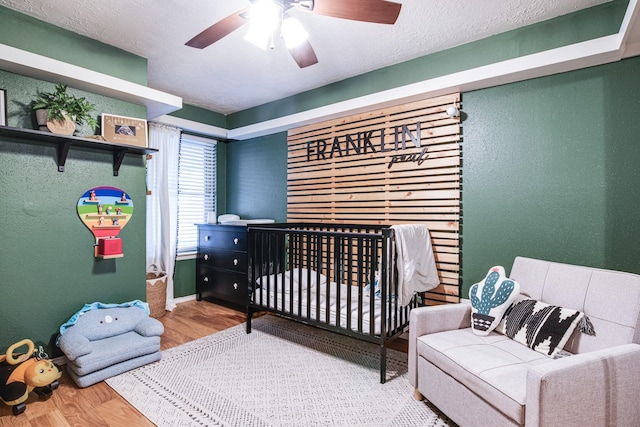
[(490, 298)]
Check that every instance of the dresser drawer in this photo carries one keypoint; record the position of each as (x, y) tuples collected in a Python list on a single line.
[(234, 239), (223, 259), (221, 267), (227, 285)]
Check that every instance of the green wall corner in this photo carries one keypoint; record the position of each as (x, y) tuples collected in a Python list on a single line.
[(200, 115), (550, 171), (257, 178)]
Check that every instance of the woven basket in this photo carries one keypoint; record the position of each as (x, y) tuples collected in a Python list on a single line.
[(156, 291)]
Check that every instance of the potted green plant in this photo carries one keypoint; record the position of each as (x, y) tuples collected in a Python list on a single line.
[(63, 111)]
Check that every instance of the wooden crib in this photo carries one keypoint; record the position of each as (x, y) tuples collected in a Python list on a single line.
[(338, 277)]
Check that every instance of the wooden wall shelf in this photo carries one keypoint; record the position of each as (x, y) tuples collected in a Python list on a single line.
[(64, 143), (110, 256)]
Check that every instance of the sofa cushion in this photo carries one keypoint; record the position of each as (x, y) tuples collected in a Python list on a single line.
[(542, 327), (110, 351), (494, 367), (610, 298), (112, 370), (490, 298)]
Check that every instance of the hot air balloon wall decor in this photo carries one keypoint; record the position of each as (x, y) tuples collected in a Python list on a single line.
[(106, 211)]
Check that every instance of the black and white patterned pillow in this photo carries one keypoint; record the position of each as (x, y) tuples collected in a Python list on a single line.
[(540, 326)]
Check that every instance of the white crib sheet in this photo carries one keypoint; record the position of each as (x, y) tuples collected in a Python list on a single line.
[(280, 296)]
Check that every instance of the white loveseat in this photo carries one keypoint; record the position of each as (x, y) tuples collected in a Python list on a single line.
[(495, 381)]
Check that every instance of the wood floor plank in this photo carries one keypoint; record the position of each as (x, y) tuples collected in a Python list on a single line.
[(77, 404), (172, 339), (118, 414), (39, 408), (186, 329), (8, 420), (53, 418)]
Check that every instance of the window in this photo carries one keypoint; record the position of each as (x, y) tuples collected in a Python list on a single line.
[(196, 189)]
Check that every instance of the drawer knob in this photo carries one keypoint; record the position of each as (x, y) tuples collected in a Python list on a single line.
[(206, 257), (206, 279), (235, 286), (235, 241), (235, 261), (207, 238)]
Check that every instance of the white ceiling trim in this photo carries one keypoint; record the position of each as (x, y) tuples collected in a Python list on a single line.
[(567, 58), (41, 67), (631, 30), (580, 55), (193, 126)]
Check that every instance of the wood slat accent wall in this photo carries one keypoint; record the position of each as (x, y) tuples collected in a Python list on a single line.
[(391, 166)]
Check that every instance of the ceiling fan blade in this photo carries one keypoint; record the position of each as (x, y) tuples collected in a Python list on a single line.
[(303, 54), (218, 30), (376, 11)]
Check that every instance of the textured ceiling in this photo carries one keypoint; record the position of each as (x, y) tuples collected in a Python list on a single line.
[(233, 75)]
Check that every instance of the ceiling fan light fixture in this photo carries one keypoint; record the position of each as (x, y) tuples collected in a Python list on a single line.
[(293, 33), (264, 18), (257, 37)]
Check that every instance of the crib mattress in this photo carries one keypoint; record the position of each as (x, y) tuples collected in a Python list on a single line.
[(345, 306)]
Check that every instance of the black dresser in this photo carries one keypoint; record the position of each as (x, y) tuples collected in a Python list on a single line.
[(221, 268)]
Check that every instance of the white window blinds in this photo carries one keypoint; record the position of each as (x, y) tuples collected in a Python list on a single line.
[(196, 188)]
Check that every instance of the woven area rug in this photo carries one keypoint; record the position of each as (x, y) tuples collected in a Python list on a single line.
[(282, 374)]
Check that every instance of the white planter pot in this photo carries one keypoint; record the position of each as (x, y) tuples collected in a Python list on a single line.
[(41, 117)]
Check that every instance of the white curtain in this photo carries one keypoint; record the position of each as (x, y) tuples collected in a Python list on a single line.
[(162, 203)]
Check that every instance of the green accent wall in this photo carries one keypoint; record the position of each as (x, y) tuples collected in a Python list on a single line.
[(30, 34), (184, 278), (47, 266), (257, 178), (550, 170), (584, 25), (201, 115)]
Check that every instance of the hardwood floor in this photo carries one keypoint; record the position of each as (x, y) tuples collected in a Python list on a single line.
[(98, 405)]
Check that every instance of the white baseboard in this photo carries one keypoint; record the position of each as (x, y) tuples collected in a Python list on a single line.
[(180, 300)]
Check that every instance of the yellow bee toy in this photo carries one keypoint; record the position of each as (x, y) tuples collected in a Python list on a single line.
[(20, 374)]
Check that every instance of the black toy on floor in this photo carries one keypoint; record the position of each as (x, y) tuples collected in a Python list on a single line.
[(21, 374)]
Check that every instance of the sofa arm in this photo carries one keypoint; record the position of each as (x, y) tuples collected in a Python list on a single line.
[(149, 327), (599, 386), (432, 319), (74, 345)]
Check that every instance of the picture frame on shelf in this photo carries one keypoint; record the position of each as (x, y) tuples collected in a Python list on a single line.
[(124, 130), (3, 107)]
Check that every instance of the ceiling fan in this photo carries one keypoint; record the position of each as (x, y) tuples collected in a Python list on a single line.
[(261, 32)]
